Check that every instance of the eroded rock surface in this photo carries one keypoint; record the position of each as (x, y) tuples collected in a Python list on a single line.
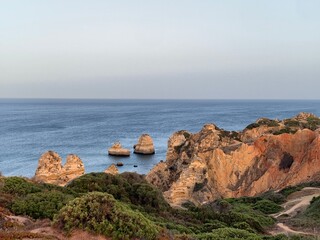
[(144, 145), (118, 150), (112, 169), (50, 169), (213, 163)]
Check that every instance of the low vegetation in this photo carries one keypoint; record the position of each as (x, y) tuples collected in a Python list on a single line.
[(127, 207)]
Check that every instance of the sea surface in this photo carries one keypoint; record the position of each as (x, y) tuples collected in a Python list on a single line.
[(28, 128)]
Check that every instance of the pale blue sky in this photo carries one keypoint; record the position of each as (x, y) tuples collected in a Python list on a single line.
[(244, 49)]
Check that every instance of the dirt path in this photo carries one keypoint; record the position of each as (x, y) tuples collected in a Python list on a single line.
[(297, 202)]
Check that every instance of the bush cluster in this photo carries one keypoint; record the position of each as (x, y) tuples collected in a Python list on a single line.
[(125, 206), (101, 213)]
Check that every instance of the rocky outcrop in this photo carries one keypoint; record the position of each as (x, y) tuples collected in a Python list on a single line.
[(145, 145), (117, 150), (50, 169), (112, 169), (214, 163)]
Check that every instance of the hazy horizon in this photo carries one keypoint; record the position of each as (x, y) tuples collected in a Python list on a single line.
[(188, 49)]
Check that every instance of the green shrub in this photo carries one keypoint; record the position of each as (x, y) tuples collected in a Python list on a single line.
[(291, 123), (285, 130), (101, 213), (313, 123), (266, 206), (275, 197), (277, 237), (41, 204), (268, 122), (291, 189), (313, 209), (127, 187), (19, 186), (228, 233), (252, 126)]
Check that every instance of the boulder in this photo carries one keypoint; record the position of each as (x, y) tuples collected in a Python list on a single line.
[(117, 150), (145, 145), (112, 169), (50, 169)]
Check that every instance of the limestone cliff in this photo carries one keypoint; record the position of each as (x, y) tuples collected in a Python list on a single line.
[(213, 163), (50, 169)]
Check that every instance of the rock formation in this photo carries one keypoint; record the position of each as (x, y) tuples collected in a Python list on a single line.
[(145, 145), (112, 169), (213, 163), (117, 150), (50, 169)]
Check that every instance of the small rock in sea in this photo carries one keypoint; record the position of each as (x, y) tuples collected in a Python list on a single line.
[(112, 169), (135, 165), (119, 164), (117, 150), (145, 145)]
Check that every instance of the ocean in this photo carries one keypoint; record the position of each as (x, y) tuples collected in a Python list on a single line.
[(28, 128)]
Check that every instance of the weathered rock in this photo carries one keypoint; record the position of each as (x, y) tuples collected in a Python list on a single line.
[(216, 164), (112, 169), (117, 150), (50, 169), (145, 145)]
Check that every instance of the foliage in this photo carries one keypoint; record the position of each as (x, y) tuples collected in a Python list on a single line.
[(41, 204), (252, 126), (266, 206), (285, 130), (101, 213), (136, 206), (263, 122), (312, 123), (126, 187), (291, 189), (313, 210), (228, 233), (19, 186)]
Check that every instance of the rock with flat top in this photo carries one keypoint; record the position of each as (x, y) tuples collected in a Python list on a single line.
[(145, 145), (118, 150)]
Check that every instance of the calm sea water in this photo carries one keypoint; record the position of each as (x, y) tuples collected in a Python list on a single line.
[(88, 128)]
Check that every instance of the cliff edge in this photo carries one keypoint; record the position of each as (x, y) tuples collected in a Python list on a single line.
[(214, 163)]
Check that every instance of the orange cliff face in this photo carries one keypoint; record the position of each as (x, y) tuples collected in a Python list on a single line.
[(212, 164)]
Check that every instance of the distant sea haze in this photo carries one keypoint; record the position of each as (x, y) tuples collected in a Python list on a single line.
[(28, 128)]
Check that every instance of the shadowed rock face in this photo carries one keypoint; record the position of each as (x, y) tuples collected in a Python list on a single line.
[(112, 169), (145, 145), (50, 169), (213, 163)]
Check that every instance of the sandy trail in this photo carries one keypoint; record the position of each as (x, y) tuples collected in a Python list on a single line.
[(297, 201)]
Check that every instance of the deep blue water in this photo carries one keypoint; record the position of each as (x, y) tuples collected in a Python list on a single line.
[(88, 128)]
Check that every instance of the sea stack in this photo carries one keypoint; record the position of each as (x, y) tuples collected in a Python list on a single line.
[(145, 145), (117, 150), (50, 169), (112, 169)]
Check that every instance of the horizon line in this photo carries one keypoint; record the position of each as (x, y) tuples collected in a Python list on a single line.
[(164, 99)]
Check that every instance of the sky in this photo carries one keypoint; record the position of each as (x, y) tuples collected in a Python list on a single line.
[(168, 49)]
